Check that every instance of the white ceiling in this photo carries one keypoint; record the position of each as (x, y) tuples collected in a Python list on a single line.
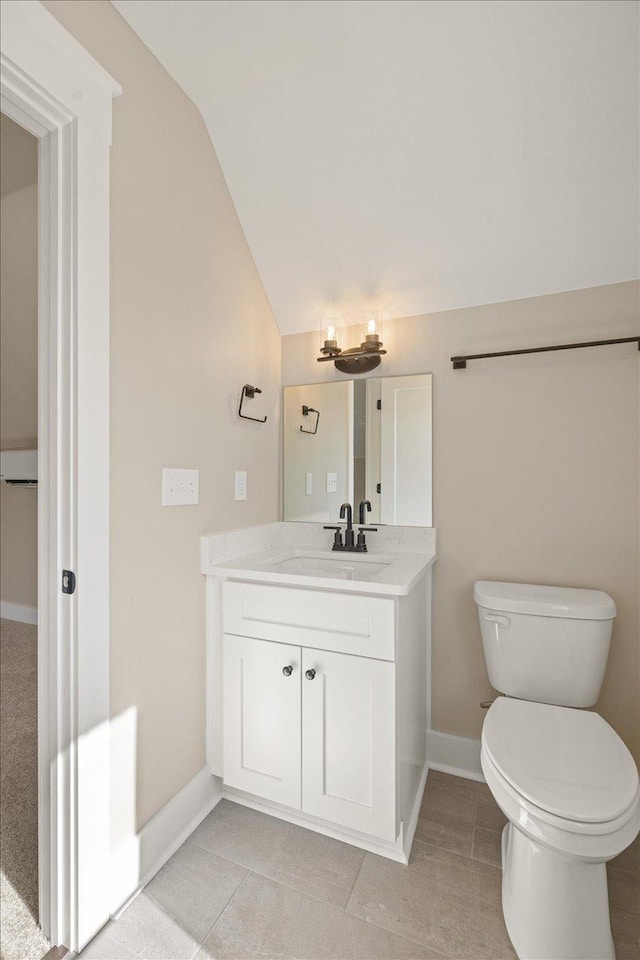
[(416, 156)]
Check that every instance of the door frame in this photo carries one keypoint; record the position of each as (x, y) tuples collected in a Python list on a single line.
[(53, 88)]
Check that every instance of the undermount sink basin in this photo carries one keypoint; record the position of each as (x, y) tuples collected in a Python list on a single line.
[(347, 566), (392, 574)]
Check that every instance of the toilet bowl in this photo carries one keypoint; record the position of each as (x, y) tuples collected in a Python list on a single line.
[(571, 793)]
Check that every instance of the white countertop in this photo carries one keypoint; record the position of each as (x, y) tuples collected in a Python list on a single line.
[(384, 573)]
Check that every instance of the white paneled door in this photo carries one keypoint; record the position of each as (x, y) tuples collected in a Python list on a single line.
[(262, 748), (348, 733)]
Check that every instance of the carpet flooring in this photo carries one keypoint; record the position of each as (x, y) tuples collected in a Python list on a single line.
[(20, 936)]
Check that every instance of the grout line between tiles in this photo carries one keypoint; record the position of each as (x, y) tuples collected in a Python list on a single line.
[(426, 843), (163, 910), (224, 910), (268, 876), (401, 936), (310, 896), (351, 916), (346, 906), (290, 885)]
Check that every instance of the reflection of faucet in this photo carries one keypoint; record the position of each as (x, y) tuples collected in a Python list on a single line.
[(347, 510), (361, 545), (364, 505)]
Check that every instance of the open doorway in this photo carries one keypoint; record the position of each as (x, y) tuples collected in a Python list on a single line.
[(52, 88), (19, 907)]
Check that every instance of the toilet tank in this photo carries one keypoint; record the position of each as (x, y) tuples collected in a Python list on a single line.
[(545, 643)]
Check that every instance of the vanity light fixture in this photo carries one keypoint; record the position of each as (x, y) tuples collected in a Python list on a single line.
[(354, 360)]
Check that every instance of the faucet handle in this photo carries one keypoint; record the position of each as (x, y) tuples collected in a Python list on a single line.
[(362, 543), (337, 537)]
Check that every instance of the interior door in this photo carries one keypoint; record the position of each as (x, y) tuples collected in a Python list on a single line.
[(348, 723), (373, 454), (262, 718), (405, 441)]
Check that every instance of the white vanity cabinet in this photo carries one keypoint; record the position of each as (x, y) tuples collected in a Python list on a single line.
[(312, 730), (324, 707)]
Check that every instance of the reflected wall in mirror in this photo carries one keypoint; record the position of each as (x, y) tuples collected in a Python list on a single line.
[(372, 441)]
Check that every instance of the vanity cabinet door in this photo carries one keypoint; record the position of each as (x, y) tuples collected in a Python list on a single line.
[(262, 724), (348, 736)]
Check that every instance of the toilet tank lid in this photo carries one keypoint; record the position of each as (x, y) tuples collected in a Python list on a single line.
[(572, 603)]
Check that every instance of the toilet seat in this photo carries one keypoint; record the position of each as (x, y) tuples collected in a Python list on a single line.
[(562, 776), (568, 762)]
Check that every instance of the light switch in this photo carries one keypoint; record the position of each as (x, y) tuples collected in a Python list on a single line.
[(180, 487), (308, 484), (332, 483), (241, 484)]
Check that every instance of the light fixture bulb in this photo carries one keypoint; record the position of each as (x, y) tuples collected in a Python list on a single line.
[(330, 332), (373, 330)]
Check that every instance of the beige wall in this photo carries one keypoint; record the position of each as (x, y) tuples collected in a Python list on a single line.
[(190, 323), (535, 473), (18, 356)]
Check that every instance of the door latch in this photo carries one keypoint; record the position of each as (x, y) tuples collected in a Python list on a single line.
[(68, 581)]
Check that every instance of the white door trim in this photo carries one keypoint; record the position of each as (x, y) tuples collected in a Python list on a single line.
[(53, 87)]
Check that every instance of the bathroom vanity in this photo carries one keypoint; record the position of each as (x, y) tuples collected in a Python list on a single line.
[(318, 677)]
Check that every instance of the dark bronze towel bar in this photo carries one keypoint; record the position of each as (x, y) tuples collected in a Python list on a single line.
[(459, 363)]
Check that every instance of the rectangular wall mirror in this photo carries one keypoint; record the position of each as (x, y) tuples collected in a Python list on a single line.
[(354, 440)]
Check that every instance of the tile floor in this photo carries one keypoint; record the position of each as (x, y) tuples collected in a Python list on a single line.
[(246, 885)]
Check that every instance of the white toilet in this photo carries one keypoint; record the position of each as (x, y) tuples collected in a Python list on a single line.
[(563, 778)]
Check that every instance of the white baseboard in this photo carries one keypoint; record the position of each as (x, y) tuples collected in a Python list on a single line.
[(138, 860), (457, 755), (18, 611)]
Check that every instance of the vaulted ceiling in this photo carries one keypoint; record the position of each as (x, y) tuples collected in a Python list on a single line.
[(416, 155)]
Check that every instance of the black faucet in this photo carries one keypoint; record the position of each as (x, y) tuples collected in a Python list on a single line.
[(347, 510)]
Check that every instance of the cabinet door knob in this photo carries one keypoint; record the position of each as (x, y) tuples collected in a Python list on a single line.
[(310, 674), (287, 671)]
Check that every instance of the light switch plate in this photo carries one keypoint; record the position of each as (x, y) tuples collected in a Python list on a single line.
[(180, 487), (308, 484), (332, 483), (241, 484)]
